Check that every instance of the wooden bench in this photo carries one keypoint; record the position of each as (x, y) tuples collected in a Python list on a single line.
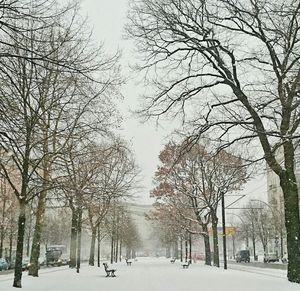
[(173, 260), (186, 265), (128, 262), (109, 272)]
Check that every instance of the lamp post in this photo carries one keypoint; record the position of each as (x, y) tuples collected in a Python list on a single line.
[(281, 223), (224, 230), (224, 223)]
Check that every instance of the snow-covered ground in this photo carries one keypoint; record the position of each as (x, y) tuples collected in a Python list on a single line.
[(155, 274)]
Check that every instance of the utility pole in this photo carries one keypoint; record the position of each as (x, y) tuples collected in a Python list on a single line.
[(224, 231)]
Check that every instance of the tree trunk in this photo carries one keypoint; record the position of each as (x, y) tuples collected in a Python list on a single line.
[(36, 242), (264, 248), (92, 249), (1, 240), (116, 248), (40, 212), (168, 251), (120, 251), (10, 245), (112, 249), (20, 243), (78, 259), (292, 222), (190, 247), (2, 219), (29, 224), (247, 239), (73, 243), (215, 240), (186, 249), (98, 246), (128, 252), (253, 240), (181, 250), (254, 247), (176, 255), (206, 245)]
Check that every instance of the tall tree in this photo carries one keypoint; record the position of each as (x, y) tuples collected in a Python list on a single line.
[(8, 205), (199, 179), (42, 98), (232, 69), (70, 106), (96, 176)]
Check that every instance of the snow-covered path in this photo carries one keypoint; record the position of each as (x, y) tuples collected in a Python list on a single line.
[(153, 275)]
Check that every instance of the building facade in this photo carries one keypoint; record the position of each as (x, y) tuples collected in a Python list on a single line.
[(275, 195)]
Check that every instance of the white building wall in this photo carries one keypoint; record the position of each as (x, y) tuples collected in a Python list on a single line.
[(275, 195)]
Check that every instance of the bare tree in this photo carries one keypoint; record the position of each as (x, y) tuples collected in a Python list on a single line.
[(171, 227), (78, 186), (232, 69), (43, 101), (126, 232), (72, 105), (247, 226), (20, 19), (96, 176), (107, 189), (176, 196), (8, 205), (264, 227)]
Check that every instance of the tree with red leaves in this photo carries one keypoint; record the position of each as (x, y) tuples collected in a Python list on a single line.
[(193, 182)]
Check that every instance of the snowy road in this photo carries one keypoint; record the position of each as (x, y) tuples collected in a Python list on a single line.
[(277, 273), (154, 275)]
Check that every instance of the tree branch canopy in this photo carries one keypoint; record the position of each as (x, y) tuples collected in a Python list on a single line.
[(219, 63), (230, 70)]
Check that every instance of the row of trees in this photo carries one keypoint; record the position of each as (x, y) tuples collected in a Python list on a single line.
[(189, 188), (260, 222), (58, 93), (229, 71)]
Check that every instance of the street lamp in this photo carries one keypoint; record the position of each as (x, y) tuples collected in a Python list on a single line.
[(280, 227), (224, 223), (224, 230)]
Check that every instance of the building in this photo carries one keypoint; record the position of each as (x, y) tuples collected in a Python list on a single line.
[(276, 200), (275, 195)]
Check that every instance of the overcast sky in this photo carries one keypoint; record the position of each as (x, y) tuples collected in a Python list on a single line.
[(107, 18)]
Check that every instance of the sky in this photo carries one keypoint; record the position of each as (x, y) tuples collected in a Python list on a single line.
[(107, 17)]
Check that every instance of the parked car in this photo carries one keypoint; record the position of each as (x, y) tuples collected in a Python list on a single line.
[(53, 255), (271, 257), (243, 256), (3, 264), (25, 263), (63, 260)]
